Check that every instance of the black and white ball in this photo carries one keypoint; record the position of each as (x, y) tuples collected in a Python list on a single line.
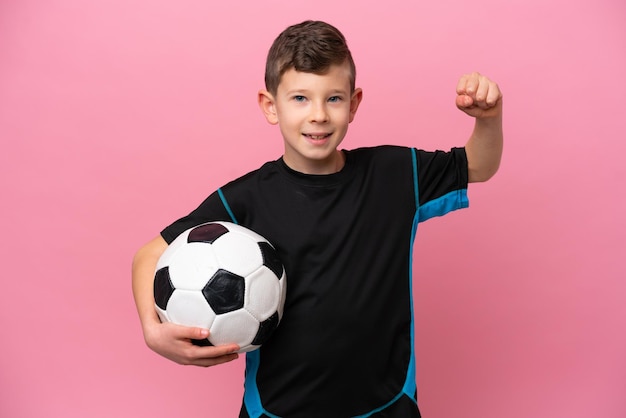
[(225, 278)]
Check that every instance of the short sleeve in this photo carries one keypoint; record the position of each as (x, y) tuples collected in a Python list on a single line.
[(441, 182)]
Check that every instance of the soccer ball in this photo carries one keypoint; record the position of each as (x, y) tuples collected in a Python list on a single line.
[(225, 278)]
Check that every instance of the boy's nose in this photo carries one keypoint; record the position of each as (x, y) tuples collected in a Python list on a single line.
[(319, 114)]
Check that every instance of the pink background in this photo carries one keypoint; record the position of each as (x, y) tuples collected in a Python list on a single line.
[(118, 116)]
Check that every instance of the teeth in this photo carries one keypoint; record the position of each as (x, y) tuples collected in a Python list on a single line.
[(317, 136)]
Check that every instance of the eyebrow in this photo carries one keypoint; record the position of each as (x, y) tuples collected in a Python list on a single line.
[(308, 91)]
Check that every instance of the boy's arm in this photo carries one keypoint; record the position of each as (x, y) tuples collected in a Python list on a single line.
[(481, 98), (167, 339)]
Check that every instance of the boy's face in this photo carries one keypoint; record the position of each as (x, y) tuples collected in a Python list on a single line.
[(313, 112)]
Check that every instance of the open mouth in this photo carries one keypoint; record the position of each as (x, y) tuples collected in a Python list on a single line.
[(317, 137)]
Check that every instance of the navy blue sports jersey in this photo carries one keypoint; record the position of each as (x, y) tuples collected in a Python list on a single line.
[(344, 347)]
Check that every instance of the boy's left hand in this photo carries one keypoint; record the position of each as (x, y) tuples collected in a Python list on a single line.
[(478, 96)]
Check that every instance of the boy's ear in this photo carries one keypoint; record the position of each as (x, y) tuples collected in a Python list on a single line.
[(268, 106), (357, 96)]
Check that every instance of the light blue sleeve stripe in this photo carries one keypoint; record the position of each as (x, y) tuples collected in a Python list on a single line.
[(227, 206), (454, 200), (251, 396)]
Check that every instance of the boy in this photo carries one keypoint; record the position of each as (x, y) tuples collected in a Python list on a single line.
[(343, 223)]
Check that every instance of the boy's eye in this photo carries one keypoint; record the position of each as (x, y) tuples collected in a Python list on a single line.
[(299, 98), (334, 99)]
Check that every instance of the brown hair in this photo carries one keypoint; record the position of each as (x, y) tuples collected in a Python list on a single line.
[(310, 47)]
